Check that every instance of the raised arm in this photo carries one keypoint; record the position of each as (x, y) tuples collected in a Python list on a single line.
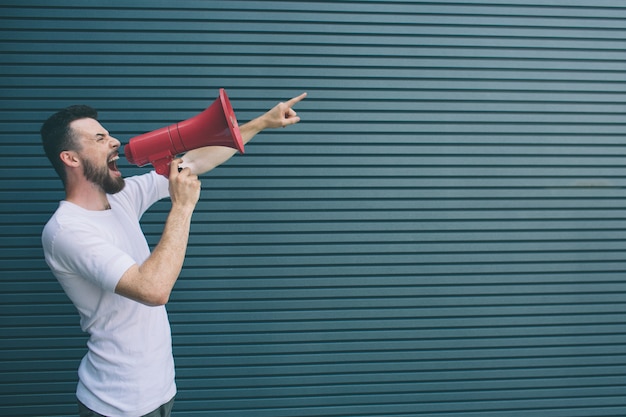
[(151, 283), (202, 160)]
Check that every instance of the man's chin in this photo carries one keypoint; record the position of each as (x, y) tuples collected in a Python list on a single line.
[(115, 185), (109, 180)]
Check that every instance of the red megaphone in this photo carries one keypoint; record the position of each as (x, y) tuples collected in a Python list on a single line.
[(216, 126)]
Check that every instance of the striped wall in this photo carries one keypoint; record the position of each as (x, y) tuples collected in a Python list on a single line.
[(441, 235)]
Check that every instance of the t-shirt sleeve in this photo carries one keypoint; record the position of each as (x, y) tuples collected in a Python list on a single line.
[(78, 252), (142, 191)]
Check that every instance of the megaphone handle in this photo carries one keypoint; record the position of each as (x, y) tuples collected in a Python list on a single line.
[(162, 166)]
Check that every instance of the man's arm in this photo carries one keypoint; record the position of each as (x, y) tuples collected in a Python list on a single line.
[(152, 282), (202, 160)]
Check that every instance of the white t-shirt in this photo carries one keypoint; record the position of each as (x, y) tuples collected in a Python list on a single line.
[(128, 370)]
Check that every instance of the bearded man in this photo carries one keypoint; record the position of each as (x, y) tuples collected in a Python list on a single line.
[(95, 247)]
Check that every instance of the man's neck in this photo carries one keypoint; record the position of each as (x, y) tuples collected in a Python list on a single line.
[(88, 196)]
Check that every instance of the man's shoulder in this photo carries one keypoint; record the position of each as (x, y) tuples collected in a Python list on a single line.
[(141, 191), (147, 181), (71, 216)]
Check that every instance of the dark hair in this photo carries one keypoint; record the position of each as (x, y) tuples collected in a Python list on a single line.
[(57, 136)]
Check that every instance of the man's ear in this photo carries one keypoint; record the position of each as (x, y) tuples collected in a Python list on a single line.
[(70, 158)]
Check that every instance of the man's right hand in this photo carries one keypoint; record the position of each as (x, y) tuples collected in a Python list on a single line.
[(184, 186)]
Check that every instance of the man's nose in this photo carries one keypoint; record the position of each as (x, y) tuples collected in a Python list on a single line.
[(115, 143)]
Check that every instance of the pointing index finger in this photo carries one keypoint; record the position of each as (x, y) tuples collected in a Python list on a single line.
[(295, 100)]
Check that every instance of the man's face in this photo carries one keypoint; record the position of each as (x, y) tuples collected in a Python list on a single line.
[(99, 153)]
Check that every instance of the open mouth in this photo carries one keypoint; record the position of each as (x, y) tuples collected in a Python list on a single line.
[(113, 162)]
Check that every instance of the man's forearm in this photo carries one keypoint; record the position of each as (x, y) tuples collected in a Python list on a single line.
[(202, 160), (205, 159), (152, 282)]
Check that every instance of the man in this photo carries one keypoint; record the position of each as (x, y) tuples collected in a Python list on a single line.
[(95, 247)]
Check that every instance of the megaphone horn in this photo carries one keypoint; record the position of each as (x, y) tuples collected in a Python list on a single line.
[(215, 126)]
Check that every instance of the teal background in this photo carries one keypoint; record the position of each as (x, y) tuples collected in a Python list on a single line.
[(441, 235)]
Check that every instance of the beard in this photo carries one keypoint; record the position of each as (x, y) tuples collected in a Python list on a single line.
[(102, 178)]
